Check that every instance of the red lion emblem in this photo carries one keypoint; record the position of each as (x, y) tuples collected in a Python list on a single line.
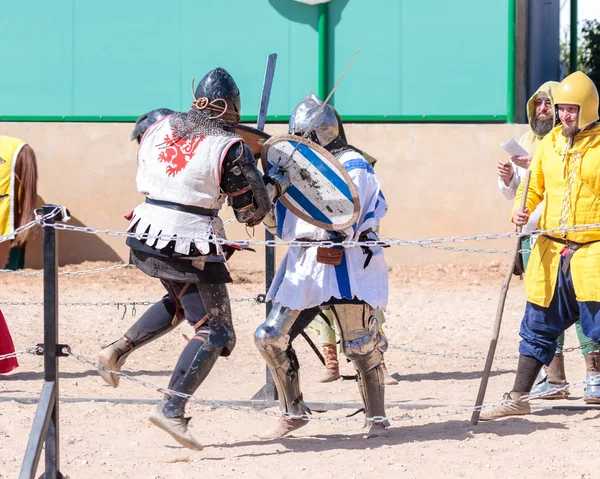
[(178, 153)]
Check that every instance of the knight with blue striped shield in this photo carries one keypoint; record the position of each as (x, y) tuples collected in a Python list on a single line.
[(350, 280)]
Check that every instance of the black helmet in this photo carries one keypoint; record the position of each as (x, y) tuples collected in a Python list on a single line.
[(217, 85), (147, 120)]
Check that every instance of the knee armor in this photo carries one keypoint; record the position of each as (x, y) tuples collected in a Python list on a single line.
[(361, 340)]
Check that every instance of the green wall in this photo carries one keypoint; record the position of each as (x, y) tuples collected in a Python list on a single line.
[(421, 59), (119, 58), (77, 60)]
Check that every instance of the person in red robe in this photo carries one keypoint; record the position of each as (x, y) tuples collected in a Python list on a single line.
[(6, 347)]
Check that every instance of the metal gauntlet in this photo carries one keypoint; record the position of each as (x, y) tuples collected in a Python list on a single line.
[(243, 184)]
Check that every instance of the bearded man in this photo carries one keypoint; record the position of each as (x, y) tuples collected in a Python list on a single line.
[(542, 118), (563, 276)]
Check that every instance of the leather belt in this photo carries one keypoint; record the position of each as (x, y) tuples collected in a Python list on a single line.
[(196, 210), (569, 249)]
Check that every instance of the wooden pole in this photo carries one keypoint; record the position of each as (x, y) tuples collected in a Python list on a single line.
[(499, 312)]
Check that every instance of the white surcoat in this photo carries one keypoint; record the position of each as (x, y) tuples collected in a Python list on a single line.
[(301, 282), (181, 171)]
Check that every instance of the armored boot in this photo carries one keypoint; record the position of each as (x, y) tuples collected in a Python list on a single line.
[(551, 377), (285, 372), (273, 342), (331, 363), (372, 390), (592, 380), (388, 379), (513, 408)]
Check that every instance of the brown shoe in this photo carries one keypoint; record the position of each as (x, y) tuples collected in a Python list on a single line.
[(285, 425), (177, 427), (331, 363), (113, 357), (388, 379), (515, 408)]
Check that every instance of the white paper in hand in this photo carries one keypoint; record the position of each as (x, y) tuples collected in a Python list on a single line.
[(513, 148)]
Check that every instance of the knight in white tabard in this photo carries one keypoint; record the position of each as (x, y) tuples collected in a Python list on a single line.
[(188, 164), (352, 282)]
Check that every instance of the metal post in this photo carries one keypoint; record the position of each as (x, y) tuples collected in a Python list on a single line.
[(512, 42), (51, 341), (573, 52), (270, 390), (323, 89), (46, 421)]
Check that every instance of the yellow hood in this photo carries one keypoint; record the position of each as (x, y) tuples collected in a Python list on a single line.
[(548, 88)]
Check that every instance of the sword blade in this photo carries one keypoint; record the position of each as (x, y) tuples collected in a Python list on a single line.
[(266, 91)]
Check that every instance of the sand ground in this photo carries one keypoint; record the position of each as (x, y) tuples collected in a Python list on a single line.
[(440, 309)]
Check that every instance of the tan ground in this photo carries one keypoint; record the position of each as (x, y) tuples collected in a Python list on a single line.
[(437, 309)]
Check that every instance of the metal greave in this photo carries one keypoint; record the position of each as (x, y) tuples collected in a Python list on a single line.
[(272, 341)]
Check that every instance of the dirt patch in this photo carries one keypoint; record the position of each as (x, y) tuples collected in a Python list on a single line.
[(437, 309)]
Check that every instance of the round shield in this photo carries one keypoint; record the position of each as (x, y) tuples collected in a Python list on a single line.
[(254, 138), (321, 192)]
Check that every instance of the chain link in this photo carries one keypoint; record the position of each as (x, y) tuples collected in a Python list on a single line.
[(306, 417), (427, 242), (463, 356), (580, 347), (447, 355), (68, 273), (38, 220), (259, 299), (16, 354)]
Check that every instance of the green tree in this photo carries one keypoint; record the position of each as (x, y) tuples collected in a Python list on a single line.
[(589, 55)]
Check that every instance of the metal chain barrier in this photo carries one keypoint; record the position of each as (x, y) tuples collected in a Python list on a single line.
[(259, 299), (37, 221), (462, 356), (448, 355), (325, 243), (35, 350), (307, 417), (68, 273)]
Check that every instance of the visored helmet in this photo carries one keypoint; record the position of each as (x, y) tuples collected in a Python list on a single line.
[(578, 89), (218, 94), (324, 130)]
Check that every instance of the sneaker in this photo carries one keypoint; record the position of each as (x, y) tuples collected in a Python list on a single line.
[(514, 408)]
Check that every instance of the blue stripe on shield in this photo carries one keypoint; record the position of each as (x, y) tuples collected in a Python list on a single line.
[(320, 165)]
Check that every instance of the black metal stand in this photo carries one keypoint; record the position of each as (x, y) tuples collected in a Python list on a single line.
[(268, 393), (45, 429)]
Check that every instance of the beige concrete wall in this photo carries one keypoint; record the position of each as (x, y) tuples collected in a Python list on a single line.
[(439, 180)]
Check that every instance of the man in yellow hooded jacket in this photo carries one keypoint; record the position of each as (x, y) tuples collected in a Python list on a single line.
[(541, 117), (563, 275)]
